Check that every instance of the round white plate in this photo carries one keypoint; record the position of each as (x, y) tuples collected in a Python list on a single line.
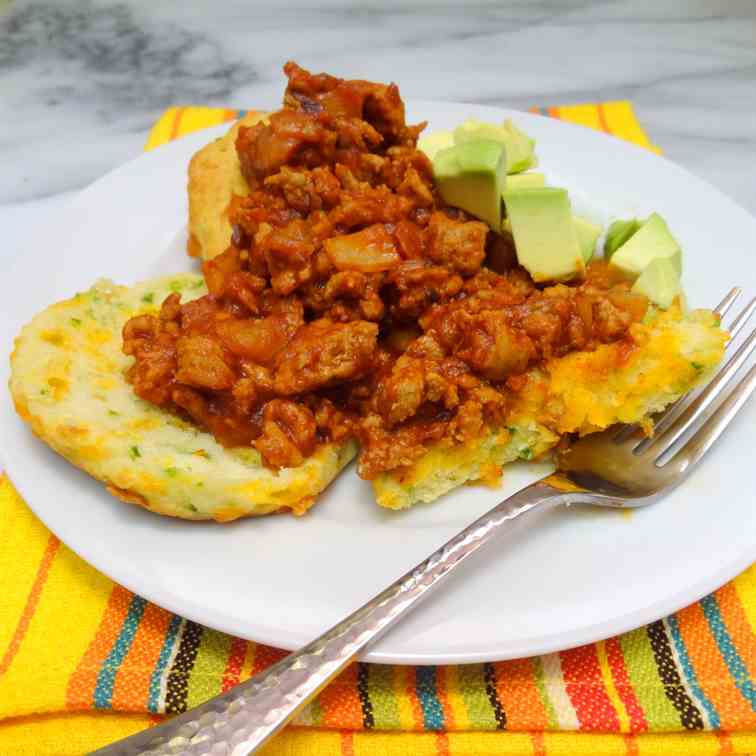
[(581, 576)]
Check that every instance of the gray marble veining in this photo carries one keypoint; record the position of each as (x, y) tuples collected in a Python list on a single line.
[(81, 81)]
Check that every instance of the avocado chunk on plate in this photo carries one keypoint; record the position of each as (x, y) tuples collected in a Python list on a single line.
[(525, 181), (471, 176), (617, 234), (587, 234), (520, 148), (651, 241), (433, 143), (544, 233), (660, 282)]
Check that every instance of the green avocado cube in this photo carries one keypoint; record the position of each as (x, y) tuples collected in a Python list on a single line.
[(544, 233), (619, 232), (435, 142), (525, 181), (659, 281), (520, 148), (651, 241), (587, 234), (471, 176), (521, 154)]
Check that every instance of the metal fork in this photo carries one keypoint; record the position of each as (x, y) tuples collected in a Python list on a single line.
[(610, 469)]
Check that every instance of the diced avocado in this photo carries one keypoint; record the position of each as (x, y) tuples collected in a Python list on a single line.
[(544, 233), (518, 145), (435, 142), (651, 241), (520, 151), (619, 232), (659, 281), (525, 181), (587, 234), (471, 176)]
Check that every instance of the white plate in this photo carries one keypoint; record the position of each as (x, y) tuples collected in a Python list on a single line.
[(583, 575)]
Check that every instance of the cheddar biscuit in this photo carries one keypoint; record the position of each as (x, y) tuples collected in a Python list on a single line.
[(68, 382), (214, 176)]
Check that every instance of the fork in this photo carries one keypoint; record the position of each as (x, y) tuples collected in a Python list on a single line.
[(619, 467)]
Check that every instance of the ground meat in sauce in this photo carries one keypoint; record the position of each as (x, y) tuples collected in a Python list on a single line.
[(352, 303)]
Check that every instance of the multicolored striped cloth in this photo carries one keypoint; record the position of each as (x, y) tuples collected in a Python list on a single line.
[(83, 661)]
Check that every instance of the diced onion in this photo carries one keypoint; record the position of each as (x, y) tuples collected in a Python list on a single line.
[(371, 250)]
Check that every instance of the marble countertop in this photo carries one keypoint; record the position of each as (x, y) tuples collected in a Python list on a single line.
[(81, 81)]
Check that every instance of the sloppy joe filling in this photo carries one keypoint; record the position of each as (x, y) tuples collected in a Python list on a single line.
[(351, 302)]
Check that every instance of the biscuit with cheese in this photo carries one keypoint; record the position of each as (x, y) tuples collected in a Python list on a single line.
[(68, 383), (582, 392), (214, 176)]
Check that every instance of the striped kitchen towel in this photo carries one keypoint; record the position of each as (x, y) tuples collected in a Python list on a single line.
[(84, 661)]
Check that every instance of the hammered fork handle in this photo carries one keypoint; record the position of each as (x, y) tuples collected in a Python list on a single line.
[(237, 722)]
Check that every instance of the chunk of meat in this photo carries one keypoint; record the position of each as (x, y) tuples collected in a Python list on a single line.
[(306, 191), (193, 403), (403, 159), (220, 414), (400, 394), (343, 101), (288, 434), (265, 207), (365, 206), (333, 424), (347, 284), (217, 270), (613, 315), (287, 252), (257, 340), (380, 105), (227, 276), (289, 138), (354, 137), (512, 287), (253, 388), (323, 353), (202, 364), (427, 347), (356, 295), (491, 347), (460, 245), (200, 315), (244, 288), (301, 81), (290, 308), (321, 93), (384, 449), (418, 189), (154, 348), (418, 286), (384, 109)]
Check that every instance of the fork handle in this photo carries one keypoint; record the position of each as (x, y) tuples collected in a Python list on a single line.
[(237, 722)]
